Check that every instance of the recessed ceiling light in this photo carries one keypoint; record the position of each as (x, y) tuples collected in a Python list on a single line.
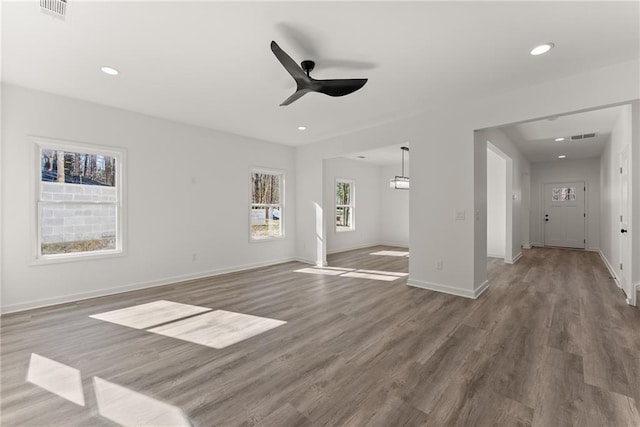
[(559, 139), (111, 71), (543, 48), (561, 156), (302, 128)]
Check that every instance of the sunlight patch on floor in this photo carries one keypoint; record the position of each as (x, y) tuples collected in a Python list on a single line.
[(144, 316), (387, 276), (56, 378), (391, 253), (218, 329), (130, 408)]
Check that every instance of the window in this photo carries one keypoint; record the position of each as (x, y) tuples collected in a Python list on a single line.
[(267, 204), (344, 205), (563, 194), (79, 200)]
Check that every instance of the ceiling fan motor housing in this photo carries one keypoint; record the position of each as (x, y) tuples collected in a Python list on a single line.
[(308, 66)]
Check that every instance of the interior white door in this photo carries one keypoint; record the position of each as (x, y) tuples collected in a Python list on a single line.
[(564, 215), (624, 267)]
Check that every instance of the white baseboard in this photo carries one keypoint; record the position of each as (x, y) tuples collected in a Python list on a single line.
[(45, 302), (467, 293), (514, 259), (306, 261), (351, 248), (526, 246), (593, 249), (404, 245), (612, 272), (537, 244), (494, 255), (481, 289)]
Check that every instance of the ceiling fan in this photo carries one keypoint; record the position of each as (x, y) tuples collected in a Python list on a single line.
[(305, 83)]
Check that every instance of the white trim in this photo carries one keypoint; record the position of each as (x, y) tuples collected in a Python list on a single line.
[(481, 288), (276, 172), (514, 259), (610, 268), (38, 143), (526, 246), (404, 245), (351, 205), (467, 293), (45, 302), (308, 261), (493, 255), (537, 244), (635, 295)]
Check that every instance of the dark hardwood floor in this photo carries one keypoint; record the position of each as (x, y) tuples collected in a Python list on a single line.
[(550, 343)]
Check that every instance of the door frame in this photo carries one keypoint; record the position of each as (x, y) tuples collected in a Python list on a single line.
[(586, 210), (625, 258), (509, 257)]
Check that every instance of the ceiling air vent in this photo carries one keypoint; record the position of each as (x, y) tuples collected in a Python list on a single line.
[(585, 136), (56, 8)]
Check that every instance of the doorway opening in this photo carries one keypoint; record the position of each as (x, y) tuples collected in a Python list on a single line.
[(363, 210), (499, 204)]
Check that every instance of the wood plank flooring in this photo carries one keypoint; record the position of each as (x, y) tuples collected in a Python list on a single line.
[(550, 343)]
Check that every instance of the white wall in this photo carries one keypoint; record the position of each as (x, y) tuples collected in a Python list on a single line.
[(496, 204), (168, 216), (367, 204), (635, 194), (610, 191), (394, 208), (519, 168), (447, 173), (567, 170)]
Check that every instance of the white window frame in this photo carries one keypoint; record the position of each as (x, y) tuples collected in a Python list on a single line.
[(351, 205), (119, 154), (281, 174)]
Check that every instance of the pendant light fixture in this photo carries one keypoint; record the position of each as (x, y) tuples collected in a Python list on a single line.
[(401, 182)]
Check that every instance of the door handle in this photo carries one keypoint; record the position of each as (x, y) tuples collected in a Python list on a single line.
[(623, 231), (546, 219)]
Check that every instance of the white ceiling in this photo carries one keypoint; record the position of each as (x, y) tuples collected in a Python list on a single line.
[(383, 156), (536, 139), (209, 63)]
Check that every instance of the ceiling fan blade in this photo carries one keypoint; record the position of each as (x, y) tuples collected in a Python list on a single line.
[(298, 94), (339, 87), (288, 63)]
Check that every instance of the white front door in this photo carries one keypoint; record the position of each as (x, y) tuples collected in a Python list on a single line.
[(564, 216), (624, 267)]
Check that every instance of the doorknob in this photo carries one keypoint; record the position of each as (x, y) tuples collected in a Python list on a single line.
[(623, 231), (546, 219)]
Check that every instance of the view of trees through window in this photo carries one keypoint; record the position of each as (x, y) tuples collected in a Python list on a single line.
[(266, 213), (344, 205), (78, 168), (77, 202)]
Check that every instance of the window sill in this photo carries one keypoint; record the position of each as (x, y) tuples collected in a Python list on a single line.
[(345, 230), (266, 239), (75, 257)]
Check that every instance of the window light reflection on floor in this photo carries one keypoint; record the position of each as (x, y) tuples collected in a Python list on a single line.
[(391, 253), (386, 276), (130, 408), (56, 378)]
